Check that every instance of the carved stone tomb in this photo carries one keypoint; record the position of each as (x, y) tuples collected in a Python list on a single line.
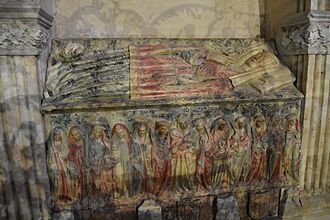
[(179, 128)]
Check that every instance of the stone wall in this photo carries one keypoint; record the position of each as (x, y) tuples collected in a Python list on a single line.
[(151, 18)]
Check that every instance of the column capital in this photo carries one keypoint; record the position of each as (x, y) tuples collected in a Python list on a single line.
[(24, 26), (305, 33)]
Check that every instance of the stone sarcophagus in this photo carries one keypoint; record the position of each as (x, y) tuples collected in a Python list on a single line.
[(174, 125)]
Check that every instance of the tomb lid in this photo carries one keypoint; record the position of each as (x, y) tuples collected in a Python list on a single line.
[(113, 73)]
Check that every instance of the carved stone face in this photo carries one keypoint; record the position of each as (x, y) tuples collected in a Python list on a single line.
[(142, 130), (260, 59), (176, 135), (162, 129), (222, 125), (58, 135), (200, 127), (182, 125), (120, 132), (98, 131), (75, 134), (276, 120), (260, 123), (240, 123)]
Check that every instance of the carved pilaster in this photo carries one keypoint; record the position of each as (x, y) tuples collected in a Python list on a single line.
[(305, 34), (21, 37), (24, 26), (303, 41)]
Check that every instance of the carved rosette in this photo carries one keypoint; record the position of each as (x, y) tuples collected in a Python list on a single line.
[(311, 38), (24, 37)]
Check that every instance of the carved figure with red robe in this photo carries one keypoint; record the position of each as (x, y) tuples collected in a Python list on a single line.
[(241, 149), (222, 133), (101, 162), (204, 154), (259, 156), (75, 162), (57, 168), (276, 148), (162, 165), (182, 163)]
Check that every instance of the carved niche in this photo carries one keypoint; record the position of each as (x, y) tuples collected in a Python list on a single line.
[(170, 120)]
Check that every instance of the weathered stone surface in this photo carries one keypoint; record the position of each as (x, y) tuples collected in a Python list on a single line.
[(64, 215), (149, 210), (125, 71), (227, 208), (112, 143), (263, 203), (195, 208), (20, 35), (305, 34), (174, 19)]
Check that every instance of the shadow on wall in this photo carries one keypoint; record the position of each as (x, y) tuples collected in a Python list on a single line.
[(24, 183)]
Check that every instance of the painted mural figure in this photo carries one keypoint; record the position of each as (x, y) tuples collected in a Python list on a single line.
[(58, 172), (292, 146), (142, 158), (222, 133), (182, 163), (204, 154), (101, 163), (162, 164), (241, 159), (258, 165), (276, 136), (121, 150), (75, 162)]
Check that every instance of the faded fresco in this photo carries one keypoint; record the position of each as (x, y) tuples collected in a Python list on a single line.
[(174, 19), (180, 122)]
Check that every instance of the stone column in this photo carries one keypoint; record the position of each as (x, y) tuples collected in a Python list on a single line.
[(302, 36), (24, 36)]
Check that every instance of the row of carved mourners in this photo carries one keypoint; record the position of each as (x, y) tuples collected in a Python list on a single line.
[(172, 157)]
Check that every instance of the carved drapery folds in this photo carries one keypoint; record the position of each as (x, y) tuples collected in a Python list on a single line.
[(157, 69)]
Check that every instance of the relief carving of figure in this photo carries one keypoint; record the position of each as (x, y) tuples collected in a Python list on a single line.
[(222, 133), (75, 162), (121, 144), (292, 146), (184, 127), (259, 156), (57, 169), (204, 154), (241, 159), (182, 163), (101, 162), (162, 157), (276, 148), (142, 158)]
